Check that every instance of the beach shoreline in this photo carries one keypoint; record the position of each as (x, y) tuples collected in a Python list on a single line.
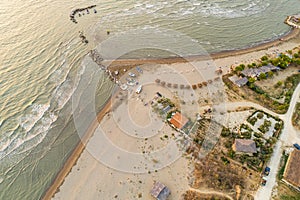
[(292, 34), (72, 160)]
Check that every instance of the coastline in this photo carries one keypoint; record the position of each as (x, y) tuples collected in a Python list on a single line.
[(72, 160), (293, 33)]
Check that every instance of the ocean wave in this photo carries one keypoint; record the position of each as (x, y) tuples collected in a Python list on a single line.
[(36, 111), (27, 140)]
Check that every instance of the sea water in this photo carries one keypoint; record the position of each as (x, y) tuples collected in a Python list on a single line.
[(42, 66)]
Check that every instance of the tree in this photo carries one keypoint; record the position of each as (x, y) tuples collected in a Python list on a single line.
[(270, 74), (262, 76), (242, 66), (264, 63), (238, 68), (264, 58), (296, 55), (251, 80), (278, 84), (275, 61)]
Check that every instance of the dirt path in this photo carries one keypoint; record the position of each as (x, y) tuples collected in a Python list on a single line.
[(211, 193)]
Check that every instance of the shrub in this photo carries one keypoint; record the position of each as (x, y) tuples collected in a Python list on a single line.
[(258, 135), (264, 58), (278, 84), (262, 76), (225, 132), (260, 115), (252, 120)]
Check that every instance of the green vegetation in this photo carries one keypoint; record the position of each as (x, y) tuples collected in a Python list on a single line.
[(260, 115), (264, 98), (296, 116), (265, 126), (252, 120), (283, 162)]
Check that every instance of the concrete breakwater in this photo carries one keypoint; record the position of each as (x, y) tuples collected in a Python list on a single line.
[(79, 10), (97, 58), (293, 21)]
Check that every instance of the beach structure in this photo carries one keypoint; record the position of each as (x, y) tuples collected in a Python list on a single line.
[(239, 81), (158, 94), (166, 109), (255, 72), (178, 121), (244, 146), (160, 191), (291, 174), (139, 89)]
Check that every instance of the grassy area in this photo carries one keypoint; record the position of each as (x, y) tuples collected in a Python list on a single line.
[(284, 192), (254, 93), (296, 116), (283, 162), (192, 195)]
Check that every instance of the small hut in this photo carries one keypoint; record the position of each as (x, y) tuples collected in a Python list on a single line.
[(157, 81), (175, 85), (169, 84), (194, 87), (181, 86), (199, 85), (160, 191), (163, 83)]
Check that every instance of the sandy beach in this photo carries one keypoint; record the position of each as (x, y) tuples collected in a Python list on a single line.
[(86, 176)]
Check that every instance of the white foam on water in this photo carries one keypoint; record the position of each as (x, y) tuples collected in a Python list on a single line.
[(35, 114)]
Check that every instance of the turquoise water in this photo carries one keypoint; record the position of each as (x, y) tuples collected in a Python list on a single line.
[(41, 67)]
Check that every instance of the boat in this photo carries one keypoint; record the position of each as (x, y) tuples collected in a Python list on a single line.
[(139, 89), (123, 87), (130, 81), (131, 74), (139, 69)]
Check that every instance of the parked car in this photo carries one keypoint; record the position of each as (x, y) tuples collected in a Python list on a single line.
[(297, 146), (263, 181), (267, 171)]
